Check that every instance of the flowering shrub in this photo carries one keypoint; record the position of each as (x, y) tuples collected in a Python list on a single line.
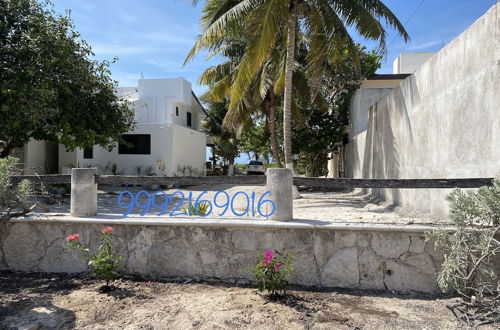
[(272, 271), (104, 264)]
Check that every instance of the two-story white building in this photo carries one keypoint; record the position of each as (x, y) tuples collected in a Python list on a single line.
[(168, 129)]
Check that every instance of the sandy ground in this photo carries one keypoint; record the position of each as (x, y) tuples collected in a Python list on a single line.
[(55, 301), (344, 207)]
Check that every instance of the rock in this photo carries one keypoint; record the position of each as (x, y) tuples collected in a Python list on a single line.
[(371, 270), (342, 269), (174, 258), (305, 270), (138, 250), (323, 246), (350, 238), (423, 262), (254, 240), (24, 248), (417, 244), (390, 245), (400, 277)]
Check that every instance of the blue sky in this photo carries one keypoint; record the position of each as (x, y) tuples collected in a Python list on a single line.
[(153, 37)]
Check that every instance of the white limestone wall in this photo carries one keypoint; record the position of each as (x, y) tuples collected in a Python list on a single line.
[(441, 122), (362, 257)]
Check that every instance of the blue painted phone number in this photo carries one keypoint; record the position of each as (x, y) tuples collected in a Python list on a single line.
[(253, 206)]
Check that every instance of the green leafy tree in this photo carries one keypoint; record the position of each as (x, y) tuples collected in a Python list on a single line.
[(226, 142), (255, 140), (50, 87), (317, 131), (269, 23)]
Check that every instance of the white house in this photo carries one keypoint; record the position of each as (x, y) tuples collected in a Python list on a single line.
[(168, 116)]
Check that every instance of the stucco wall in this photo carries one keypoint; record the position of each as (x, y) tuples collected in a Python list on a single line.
[(368, 258), (189, 149), (34, 157), (441, 122), (361, 101)]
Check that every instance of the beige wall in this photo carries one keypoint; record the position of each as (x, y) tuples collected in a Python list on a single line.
[(34, 157)]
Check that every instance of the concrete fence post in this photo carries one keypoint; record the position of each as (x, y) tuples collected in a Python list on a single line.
[(83, 192), (280, 184)]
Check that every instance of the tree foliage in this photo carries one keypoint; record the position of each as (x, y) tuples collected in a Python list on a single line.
[(226, 142), (13, 198), (272, 26), (50, 87)]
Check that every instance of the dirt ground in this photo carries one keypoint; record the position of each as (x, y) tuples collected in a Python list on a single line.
[(54, 301), (344, 207)]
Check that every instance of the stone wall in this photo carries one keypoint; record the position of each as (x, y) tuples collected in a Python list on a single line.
[(393, 258), (441, 122)]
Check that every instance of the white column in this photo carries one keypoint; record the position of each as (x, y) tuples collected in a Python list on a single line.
[(280, 184), (83, 192)]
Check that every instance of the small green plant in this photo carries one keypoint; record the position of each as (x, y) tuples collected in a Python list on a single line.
[(202, 209), (113, 169), (13, 198), (272, 272), (162, 167), (188, 170), (470, 251), (104, 264)]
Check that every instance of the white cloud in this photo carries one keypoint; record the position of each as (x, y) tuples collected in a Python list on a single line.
[(428, 44)]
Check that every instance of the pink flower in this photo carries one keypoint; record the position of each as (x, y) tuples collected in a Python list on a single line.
[(277, 266), (73, 237), (268, 256), (149, 283), (107, 230)]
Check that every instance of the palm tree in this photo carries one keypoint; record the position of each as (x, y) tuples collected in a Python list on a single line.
[(323, 22)]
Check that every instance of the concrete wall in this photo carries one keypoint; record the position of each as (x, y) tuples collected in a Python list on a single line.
[(441, 122), (410, 62), (188, 149), (34, 157), (362, 100), (389, 258)]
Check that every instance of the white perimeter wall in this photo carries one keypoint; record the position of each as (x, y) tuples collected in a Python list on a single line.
[(441, 122)]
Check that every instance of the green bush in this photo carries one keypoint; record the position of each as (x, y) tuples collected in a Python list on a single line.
[(104, 264), (13, 198), (471, 252), (271, 273)]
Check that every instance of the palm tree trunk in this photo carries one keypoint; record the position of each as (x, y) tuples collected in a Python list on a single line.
[(272, 128), (287, 103)]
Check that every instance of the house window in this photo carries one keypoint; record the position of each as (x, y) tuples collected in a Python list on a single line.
[(135, 144), (88, 153), (177, 111), (188, 119)]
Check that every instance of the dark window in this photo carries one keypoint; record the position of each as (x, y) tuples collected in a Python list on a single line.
[(188, 119), (135, 144), (255, 162), (88, 153), (176, 111)]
